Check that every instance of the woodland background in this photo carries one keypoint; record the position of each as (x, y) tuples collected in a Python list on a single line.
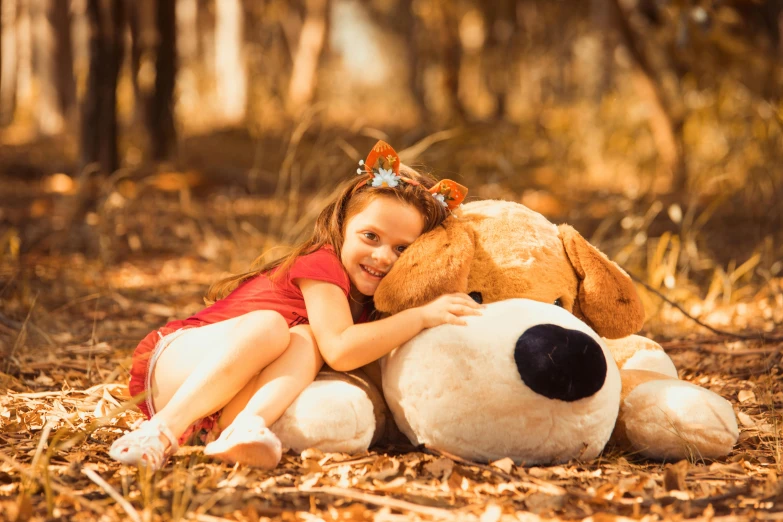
[(147, 147)]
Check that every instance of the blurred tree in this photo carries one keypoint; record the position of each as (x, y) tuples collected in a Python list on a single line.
[(59, 18), (230, 74), (53, 64), (153, 71), (269, 26), (500, 21), (24, 61), (205, 48), (99, 108), (307, 55), (410, 33), (7, 60), (435, 47), (140, 15), (666, 119), (160, 120)]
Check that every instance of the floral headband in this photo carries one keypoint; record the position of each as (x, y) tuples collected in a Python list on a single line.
[(382, 168)]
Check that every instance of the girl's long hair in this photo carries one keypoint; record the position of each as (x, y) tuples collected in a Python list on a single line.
[(329, 227)]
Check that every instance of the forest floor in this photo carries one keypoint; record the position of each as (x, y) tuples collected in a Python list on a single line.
[(69, 322)]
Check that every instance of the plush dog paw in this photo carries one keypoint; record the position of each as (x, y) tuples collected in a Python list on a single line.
[(671, 419), (332, 416)]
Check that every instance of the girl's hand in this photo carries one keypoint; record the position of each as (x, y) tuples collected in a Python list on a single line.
[(448, 309)]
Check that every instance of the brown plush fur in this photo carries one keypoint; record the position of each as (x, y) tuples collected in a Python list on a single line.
[(505, 250)]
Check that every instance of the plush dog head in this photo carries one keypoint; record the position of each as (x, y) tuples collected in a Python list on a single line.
[(497, 250)]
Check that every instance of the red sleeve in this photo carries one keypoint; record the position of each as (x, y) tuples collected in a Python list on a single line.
[(321, 265)]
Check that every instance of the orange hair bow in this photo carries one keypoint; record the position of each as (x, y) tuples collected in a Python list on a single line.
[(450, 193), (382, 168)]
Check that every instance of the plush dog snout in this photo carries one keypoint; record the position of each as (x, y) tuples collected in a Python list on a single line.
[(559, 363)]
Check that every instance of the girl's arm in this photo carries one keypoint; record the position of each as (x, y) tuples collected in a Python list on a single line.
[(346, 346)]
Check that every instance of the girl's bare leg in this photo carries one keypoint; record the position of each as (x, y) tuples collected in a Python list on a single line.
[(204, 368), (263, 400)]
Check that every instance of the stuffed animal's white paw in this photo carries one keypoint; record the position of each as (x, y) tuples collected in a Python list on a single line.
[(673, 419), (332, 416)]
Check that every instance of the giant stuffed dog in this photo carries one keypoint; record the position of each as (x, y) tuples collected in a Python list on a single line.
[(535, 378)]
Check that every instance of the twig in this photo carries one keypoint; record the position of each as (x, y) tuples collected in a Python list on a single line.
[(748, 337), (47, 429), (113, 493), (207, 518), (684, 345), (377, 500), (732, 493), (354, 462)]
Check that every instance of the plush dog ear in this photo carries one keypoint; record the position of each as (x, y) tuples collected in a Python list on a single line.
[(436, 263), (606, 298)]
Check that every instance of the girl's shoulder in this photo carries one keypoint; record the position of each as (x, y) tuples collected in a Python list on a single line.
[(323, 265), (324, 255)]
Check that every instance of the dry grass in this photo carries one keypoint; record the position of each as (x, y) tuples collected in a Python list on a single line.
[(69, 321)]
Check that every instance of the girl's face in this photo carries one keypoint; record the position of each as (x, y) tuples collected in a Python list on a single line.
[(374, 239)]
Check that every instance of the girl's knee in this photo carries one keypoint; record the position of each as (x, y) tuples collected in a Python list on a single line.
[(303, 340), (264, 326)]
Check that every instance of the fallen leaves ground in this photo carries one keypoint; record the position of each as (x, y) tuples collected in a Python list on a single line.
[(64, 382), (68, 324)]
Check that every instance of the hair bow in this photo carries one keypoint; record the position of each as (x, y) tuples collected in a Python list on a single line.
[(382, 168)]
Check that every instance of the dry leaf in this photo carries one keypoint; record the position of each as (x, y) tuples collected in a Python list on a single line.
[(505, 464), (383, 468), (674, 476), (746, 420), (492, 513), (440, 468), (539, 502)]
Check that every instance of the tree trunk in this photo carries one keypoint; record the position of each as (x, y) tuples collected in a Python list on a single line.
[(48, 114), (8, 64), (601, 19), (205, 43), (24, 61), (230, 75), (450, 51), (1, 60), (665, 128), (142, 17), (409, 34), (161, 116), (60, 20), (501, 24), (312, 37), (132, 14), (99, 111)]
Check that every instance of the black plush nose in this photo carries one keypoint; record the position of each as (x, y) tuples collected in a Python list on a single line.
[(560, 364)]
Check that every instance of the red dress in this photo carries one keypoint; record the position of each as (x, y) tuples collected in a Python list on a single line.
[(257, 293)]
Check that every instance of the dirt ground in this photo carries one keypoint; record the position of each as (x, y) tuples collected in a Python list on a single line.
[(69, 321)]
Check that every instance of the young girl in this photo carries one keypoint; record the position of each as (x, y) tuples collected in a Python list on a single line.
[(238, 364)]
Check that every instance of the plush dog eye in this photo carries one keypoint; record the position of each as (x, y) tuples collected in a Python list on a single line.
[(476, 296), (559, 302)]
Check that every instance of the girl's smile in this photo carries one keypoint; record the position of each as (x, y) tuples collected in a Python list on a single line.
[(373, 273), (374, 239)]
